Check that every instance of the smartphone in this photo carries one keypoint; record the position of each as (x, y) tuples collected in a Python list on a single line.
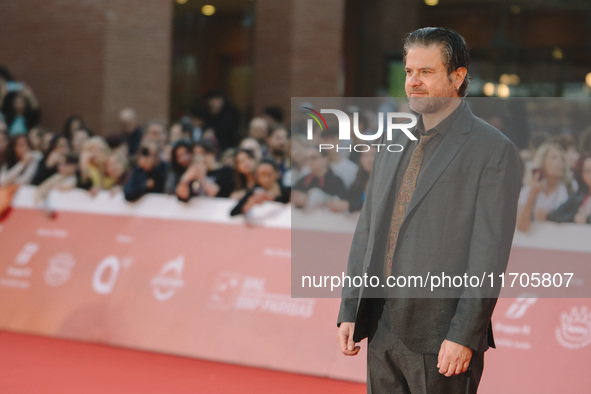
[(537, 171), (13, 86)]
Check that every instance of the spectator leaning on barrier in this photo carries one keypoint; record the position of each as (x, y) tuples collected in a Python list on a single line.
[(148, 175), (267, 188), (117, 169), (547, 185), (577, 209), (180, 159), (21, 162), (64, 179), (57, 148), (245, 164), (195, 182), (93, 162), (222, 175), (320, 185)]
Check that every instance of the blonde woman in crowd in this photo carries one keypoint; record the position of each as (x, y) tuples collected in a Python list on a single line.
[(93, 163), (548, 184)]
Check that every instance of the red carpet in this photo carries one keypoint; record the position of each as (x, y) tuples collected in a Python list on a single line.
[(31, 364)]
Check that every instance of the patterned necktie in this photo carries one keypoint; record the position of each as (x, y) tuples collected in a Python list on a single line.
[(407, 188)]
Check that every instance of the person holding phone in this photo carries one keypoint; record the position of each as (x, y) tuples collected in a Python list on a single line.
[(149, 174), (547, 186), (577, 209)]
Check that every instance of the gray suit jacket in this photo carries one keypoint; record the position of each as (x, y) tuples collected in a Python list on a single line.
[(461, 218)]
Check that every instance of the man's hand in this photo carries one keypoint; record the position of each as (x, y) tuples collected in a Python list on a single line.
[(345, 338), (453, 359)]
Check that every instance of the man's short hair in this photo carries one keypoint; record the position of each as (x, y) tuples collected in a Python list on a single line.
[(454, 50)]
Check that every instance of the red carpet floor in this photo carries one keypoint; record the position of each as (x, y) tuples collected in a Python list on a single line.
[(32, 364)]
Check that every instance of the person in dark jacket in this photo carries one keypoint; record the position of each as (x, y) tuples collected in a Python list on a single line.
[(149, 174), (320, 179), (58, 148), (221, 174), (181, 157), (577, 209), (268, 188), (223, 118)]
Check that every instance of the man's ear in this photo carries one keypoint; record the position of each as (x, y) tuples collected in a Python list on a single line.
[(459, 76)]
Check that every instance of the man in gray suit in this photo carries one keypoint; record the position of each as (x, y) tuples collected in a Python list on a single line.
[(445, 205)]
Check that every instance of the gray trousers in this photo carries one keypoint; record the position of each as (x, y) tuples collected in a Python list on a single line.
[(394, 369)]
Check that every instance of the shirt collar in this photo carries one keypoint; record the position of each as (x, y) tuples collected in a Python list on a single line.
[(442, 127)]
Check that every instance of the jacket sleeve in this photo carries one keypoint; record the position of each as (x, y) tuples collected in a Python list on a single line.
[(490, 244), (136, 185), (567, 211), (350, 295)]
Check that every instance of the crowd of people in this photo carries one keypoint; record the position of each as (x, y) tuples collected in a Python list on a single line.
[(557, 180), (206, 153)]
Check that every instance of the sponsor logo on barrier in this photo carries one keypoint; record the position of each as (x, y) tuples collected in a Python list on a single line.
[(24, 256), (59, 269), (17, 275), (515, 311), (519, 307), (124, 239), (240, 292), (106, 274), (574, 331), (168, 280), (52, 233), (283, 253)]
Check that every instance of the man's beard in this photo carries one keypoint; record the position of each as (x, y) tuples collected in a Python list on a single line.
[(428, 105)]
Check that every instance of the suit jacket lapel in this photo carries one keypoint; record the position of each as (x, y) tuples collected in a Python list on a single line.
[(446, 151)]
